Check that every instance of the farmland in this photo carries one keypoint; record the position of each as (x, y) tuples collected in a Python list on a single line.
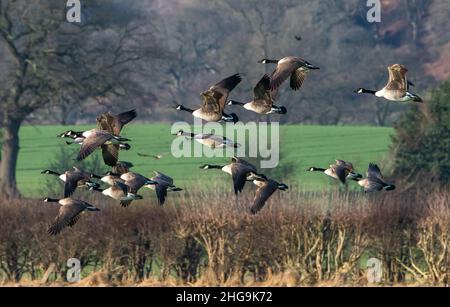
[(301, 147)]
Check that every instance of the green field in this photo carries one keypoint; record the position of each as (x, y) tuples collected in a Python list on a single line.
[(301, 147)]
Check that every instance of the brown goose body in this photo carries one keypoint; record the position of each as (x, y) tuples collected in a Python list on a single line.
[(68, 214)]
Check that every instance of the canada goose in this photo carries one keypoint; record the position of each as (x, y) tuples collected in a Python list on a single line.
[(240, 171), (94, 139), (78, 138), (113, 124), (119, 191), (214, 100), (262, 99), (396, 88), (163, 184), (374, 181), (136, 181), (341, 171), (157, 157), (73, 179), (69, 213), (209, 140), (266, 187), (110, 178), (294, 67)]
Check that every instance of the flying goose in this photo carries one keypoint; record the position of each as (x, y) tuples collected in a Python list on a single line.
[(69, 213), (214, 100), (78, 138), (240, 171), (397, 88), (136, 181), (163, 184), (109, 177), (209, 140), (266, 187), (291, 67), (73, 179), (95, 139), (341, 171), (157, 157), (374, 181), (113, 124), (119, 191), (262, 99)]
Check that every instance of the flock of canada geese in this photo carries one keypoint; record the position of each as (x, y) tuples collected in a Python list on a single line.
[(124, 184)]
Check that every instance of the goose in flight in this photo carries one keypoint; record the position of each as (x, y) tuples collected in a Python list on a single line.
[(73, 179), (119, 191), (96, 138), (214, 101), (266, 188), (340, 171), (136, 181), (68, 214), (163, 184), (240, 171), (397, 88), (210, 140), (291, 67), (374, 181), (113, 124), (262, 102)]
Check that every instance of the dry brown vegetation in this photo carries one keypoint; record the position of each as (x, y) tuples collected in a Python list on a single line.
[(199, 239)]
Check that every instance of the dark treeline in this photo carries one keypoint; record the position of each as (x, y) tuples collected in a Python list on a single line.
[(192, 44)]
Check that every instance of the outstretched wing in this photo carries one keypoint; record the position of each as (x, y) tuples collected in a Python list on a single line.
[(284, 71), (239, 174), (262, 90), (397, 78), (161, 192), (115, 123), (224, 88), (374, 172), (68, 215), (91, 143), (211, 102), (262, 195), (110, 154), (71, 183), (297, 78)]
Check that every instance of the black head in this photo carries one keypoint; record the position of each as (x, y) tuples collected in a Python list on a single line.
[(283, 187), (232, 118), (267, 61), (283, 110), (68, 134), (179, 133), (125, 146)]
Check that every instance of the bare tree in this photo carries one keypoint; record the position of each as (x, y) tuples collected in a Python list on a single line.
[(49, 60)]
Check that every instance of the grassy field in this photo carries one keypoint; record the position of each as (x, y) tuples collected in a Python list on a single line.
[(301, 147)]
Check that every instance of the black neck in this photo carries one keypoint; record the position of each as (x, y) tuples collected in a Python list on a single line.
[(317, 169), (272, 61), (368, 91), (236, 103), (182, 108), (51, 173), (52, 200), (215, 167)]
